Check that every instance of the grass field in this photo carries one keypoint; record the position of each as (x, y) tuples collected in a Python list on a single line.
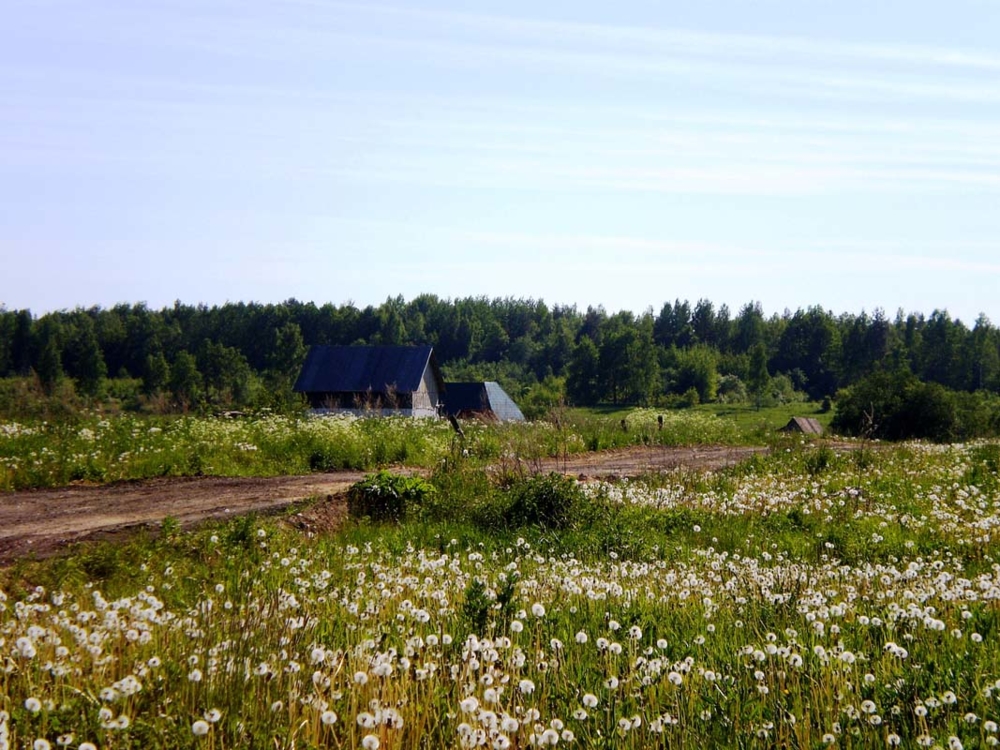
[(809, 598), (99, 449)]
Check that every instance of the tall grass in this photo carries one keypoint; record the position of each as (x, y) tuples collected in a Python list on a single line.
[(802, 599), (96, 448)]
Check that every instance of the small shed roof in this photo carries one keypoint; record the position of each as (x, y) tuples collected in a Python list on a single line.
[(359, 369), (487, 398), (808, 425)]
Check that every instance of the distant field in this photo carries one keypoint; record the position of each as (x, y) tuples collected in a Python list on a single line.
[(748, 418)]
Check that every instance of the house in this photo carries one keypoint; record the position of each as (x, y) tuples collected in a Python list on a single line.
[(486, 401), (404, 380), (806, 425)]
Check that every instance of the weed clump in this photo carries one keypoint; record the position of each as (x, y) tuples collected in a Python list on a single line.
[(387, 497), (552, 501)]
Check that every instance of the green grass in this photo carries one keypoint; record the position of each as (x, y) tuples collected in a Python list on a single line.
[(100, 449), (801, 599), (768, 418)]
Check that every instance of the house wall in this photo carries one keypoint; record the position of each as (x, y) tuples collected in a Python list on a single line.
[(427, 396)]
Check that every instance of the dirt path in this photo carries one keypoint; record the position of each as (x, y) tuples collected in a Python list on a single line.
[(39, 522)]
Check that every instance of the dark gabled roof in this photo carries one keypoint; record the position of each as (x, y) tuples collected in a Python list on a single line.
[(360, 369), (486, 398), (808, 425)]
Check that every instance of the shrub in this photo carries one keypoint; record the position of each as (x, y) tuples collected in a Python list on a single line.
[(552, 501), (386, 496)]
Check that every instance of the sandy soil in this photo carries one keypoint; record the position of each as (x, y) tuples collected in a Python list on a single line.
[(38, 523)]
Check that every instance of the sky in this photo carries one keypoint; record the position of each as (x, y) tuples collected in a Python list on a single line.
[(844, 154)]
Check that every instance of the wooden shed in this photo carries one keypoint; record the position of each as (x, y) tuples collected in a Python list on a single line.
[(385, 380), (805, 425), (480, 400)]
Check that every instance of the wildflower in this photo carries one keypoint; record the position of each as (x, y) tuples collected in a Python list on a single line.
[(548, 737), (213, 715), (581, 637), (590, 700), (328, 718), (893, 740), (538, 610), (33, 705), (526, 686), (675, 678), (370, 742), (194, 675), (469, 705), (41, 744), (361, 678), (200, 728), (829, 739)]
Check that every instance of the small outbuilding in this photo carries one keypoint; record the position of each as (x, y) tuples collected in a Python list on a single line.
[(385, 380), (486, 401), (805, 425)]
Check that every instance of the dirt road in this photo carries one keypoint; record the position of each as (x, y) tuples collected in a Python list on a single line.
[(39, 522)]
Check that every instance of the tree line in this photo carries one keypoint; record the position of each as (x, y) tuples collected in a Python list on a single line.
[(241, 354)]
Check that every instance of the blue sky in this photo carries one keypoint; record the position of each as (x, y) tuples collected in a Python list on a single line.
[(623, 154)]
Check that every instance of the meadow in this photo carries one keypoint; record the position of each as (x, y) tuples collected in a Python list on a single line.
[(806, 598), (96, 448)]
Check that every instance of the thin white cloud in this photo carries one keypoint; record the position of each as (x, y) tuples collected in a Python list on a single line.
[(682, 40)]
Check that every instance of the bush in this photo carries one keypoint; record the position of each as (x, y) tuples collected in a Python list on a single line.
[(897, 406), (552, 501), (387, 497)]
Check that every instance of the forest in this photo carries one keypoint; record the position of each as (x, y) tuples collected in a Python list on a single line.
[(240, 355)]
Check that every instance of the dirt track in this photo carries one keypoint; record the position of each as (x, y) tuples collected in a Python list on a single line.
[(39, 522)]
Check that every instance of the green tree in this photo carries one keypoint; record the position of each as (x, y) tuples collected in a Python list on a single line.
[(583, 380), (185, 380), (226, 376), (543, 397), (49, 367), (696, 368), (155, 374), (21, 343), (759, 377), (89, 366), (287, 352)]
